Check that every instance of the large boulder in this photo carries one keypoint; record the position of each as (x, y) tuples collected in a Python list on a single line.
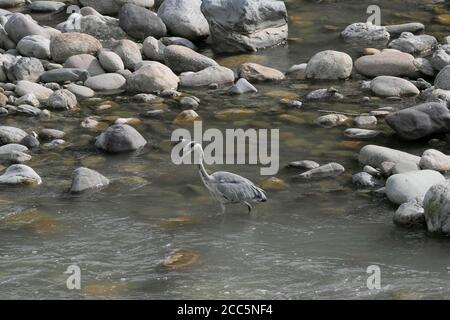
[(374, 156), (412, 185), (329, 65), (213, 75), (20, 26), (183, 59), (120, 138), (388, 62), (112, 7), (85, 179), (437, 208), (129, 52), (85, 61), (153, 77), (184, 18), (420, 121), (34, 46), (387, 86), (66, 45), (141, 23), (245, 25)]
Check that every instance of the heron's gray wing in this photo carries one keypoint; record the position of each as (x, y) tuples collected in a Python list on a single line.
[(236, 189)]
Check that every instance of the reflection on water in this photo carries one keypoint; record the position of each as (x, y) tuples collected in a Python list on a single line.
[(312, 239)]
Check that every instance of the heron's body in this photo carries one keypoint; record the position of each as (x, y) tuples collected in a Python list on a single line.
[(229, 188)]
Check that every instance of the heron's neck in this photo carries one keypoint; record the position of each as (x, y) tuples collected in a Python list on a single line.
[(201, 167)]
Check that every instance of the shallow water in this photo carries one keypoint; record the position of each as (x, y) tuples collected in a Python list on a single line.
[(311, 241)]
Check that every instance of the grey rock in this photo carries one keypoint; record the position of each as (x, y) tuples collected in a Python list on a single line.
[(167, 41), (25, 87), (120, 138), (425, 67), (84, 179), (416, 45), (304, 164), (154, 49), (388, 86), (366, 180), (365, 33), (412, 27), (11, 3), (406, 166), (332, 120), (297, 72), (184, 18), (25, 68), (34, 46), (30, 141), (242, 86), (46, 6), (324, 94), (81, 92), (29, 99), (375, 155), (245, 25), (362, 134), (106, 83), (410, 214), (442, 80), (183, 59), (20, 26), (86, 62), (112, 7), (62, 100), (153, 77), (110, 61), (20, 174), (365, 121), (329, 65), (140, 23), (51, 134), (329, 170), (27, 110), (218, 75), (129, 52), (440, 59), (65, 75), (437, 208), (420, 121), (413, 185)]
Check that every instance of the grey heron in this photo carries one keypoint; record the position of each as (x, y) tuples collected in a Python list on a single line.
[(225, 187)]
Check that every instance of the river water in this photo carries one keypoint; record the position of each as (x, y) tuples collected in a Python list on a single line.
[(314, 240)]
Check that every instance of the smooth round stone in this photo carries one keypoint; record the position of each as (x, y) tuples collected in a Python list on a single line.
[(242, 86), (20, 174), (303, 164), (388, 62), (329, 170), (81, 92), (388, 86), (46, 6), (110, 61), (357, 133), (105, 83), (410, 214), (11, 135), (329, 65), (435, 160), (120, 138), (85, 179)]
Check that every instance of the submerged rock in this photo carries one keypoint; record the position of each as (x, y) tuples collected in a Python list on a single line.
[(365, 33), (84, 179), (332, 120), (413, 185), (120, 138), (357, 133), (324, 94), (366, 180), (329, 170), (242, 86), (304, 165)]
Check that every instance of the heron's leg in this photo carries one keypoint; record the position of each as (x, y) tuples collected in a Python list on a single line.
[(249, 207)]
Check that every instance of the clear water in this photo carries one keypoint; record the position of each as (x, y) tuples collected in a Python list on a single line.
[(311, 241)]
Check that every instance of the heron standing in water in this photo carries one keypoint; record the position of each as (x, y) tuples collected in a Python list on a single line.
[(225, 187)]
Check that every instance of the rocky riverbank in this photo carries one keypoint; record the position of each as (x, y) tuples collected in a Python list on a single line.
[(153, 52)]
